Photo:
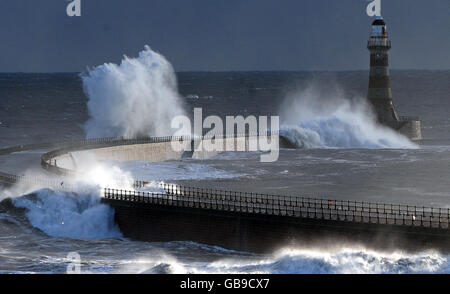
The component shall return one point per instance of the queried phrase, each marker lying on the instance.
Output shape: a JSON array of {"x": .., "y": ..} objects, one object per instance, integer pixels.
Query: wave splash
[
  {"x": 303, "y": 261},
  {"x": 345, "y": 261},
  {"x": 69, "y": 215},
  {"x": 136, "y": 98},
  {"x": 324, "y": 118}
]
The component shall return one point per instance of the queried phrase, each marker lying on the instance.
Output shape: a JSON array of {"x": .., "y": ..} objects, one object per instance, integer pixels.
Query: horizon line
[{"x": 234, "y": 71}]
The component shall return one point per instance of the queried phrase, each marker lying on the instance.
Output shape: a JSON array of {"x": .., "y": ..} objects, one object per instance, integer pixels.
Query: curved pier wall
[
  {"x": 157, "y": 151},
  {"x": 154, "y": 152},
  {"x": 148, "y": 152}
]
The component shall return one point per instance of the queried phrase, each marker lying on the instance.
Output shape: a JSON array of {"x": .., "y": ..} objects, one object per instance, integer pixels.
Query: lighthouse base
[{"x": 410, "y": 127}]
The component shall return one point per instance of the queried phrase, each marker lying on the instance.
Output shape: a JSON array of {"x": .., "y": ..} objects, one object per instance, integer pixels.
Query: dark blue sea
[{"x": 341, "y": 156}]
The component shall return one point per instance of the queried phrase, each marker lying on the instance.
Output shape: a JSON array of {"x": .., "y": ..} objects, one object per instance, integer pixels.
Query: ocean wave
[
  {"x": 324, "y": 118},
  {"x": 299, "y": 261},
  {"x": 135, "y": 98},
  {"x": 69, "y": 215}
]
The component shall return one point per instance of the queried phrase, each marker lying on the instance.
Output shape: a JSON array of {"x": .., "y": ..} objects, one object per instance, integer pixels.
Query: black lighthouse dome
[{"x": 379, "y": 21}]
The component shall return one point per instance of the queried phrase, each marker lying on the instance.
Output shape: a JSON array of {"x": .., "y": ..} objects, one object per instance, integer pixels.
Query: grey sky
[{"x": 38, "y": 36}]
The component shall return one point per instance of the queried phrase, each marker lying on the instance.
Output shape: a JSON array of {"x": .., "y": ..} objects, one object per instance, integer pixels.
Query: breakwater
[
  {"x": 244, "y": 220},
  {"x": 260, "y": 222}
]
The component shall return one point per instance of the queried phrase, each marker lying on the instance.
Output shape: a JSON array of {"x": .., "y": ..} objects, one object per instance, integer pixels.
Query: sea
[{"x": 341, "y": 153}]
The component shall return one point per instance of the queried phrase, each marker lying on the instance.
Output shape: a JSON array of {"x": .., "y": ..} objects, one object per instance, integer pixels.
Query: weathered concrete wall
[
  {"x": 211, "y": 147},
  {"x": 161, "y": 151},
  {"x": 412, "y": 129},
  {"x": 154, "y": 152},
  {"x": 148, "y": 152}
]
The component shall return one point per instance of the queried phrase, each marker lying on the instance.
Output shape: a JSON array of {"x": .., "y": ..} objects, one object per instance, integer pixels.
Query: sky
[{"x": 220, "y": 35}]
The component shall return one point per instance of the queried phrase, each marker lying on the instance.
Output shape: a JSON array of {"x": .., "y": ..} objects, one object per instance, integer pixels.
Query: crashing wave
[
  {"x": 314, "y": 119},
  {"x": 136, "y": 98},
  {"x": 68, "y": 215}
]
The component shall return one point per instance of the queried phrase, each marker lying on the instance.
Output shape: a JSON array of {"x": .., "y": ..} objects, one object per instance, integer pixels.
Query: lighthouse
[{"x": 380, "y": 92}]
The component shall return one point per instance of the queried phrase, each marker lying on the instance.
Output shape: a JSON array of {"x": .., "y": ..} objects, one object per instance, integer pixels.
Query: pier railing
[
  {"x": 266, "y": 204},
  {"x": 291, "y": 206}
]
